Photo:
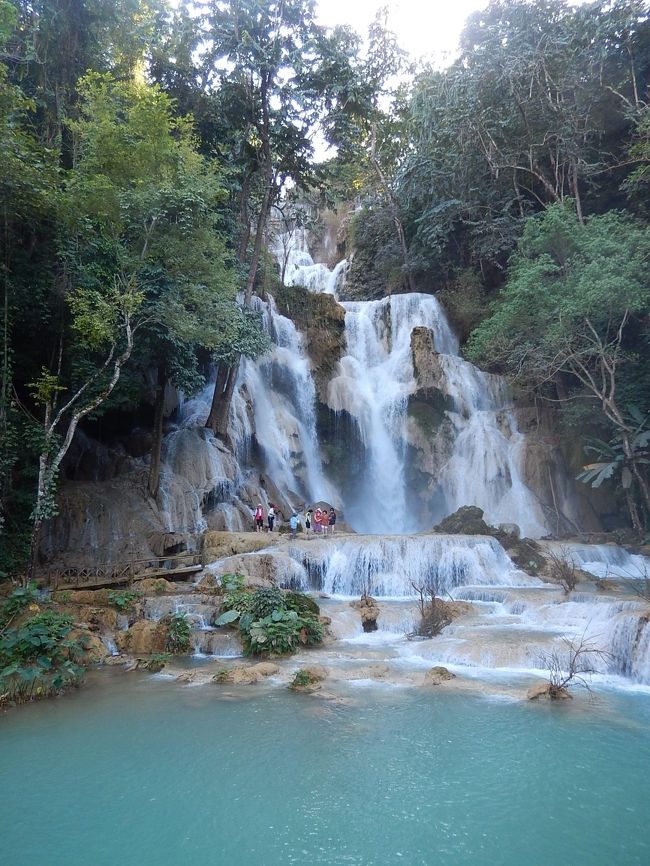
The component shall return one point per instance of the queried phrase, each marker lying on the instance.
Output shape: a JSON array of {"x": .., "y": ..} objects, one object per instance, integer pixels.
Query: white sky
[{"x": 423, "y": 27}]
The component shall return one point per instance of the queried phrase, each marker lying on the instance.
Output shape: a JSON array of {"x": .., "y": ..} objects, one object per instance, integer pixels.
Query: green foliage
[
  {"x": 178, "y": 635},
  {"x": 301, "y": 603},
  {"x": 302, "y": 679},
  {"x": 123, "y": 599},
  {"x": 39, "y": 659},
  {"x": 229, "y": 582},
  {"x": 284, "y": 631},
  {"x": 272, "y": 620},
  {"x": 15, "y": 603},
  {"x": 154, "y": 663}
]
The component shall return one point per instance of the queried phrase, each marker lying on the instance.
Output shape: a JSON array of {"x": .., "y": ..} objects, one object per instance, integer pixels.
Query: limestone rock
[
  {"x": 144, "y": 637},
  {"x": 218, "y": 545},
  {"x": 468, "y": 520},
  {"x": 545, "y": 691},
  {"x": 156, "y": 586},
  {"x": 265, "y": 669},
  {"x": 96, "y": 652},
  {"x": 83, "y": 596},
  {"x": 369, "y": 610},
  {"x": 369, "y": 672},
  {"x": 437, "y": 675},
  {"x": 308, "y": 679}
]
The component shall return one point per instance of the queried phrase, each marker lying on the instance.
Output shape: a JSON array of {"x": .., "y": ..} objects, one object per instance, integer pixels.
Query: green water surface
[{"x": 132, "y": 770}]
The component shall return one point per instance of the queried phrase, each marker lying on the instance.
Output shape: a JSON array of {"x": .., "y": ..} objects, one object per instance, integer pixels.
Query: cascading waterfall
[
  {"x": 374, "y": 383},
  {"x": 276, "y": 402},
  {"x": 392, "y": 567}
]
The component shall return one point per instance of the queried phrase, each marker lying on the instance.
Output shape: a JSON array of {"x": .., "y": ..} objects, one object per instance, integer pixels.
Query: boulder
[
  {"x": 308, "y": 679},
  {"x": 546, "y": 691},
  {"x": 144, "y": 637},
  {"x": 468, "y": 520},
  {"x": 83, "y": 596},
  {"x": 511, "y": 529},
  {"x": 156, "y": 586},
  {"x": 369, "y": 610},
  {"x": 437, "y": 675},
  {"x": 96, "y": 652},
  {"x": 265, "y": 669}
]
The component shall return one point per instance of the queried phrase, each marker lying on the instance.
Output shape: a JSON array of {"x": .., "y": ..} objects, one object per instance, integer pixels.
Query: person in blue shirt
[{"x": 293, "y": 523}]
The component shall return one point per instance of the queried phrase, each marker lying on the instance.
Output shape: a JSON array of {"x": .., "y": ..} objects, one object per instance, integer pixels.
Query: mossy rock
[{"x": 467, "y": 520}]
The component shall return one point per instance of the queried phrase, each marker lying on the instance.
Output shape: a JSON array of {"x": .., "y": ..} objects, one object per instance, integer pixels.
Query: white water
[
  {"x": 514, "y": 623},
  {"x": 276, "y": 404},
  {"x": 373, "y": 385}
]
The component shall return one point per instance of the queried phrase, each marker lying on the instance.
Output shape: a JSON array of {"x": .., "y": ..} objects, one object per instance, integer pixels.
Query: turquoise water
[{"x": 132, "y": 770}]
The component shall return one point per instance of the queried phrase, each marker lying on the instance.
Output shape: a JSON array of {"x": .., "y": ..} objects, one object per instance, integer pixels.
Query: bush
[
  {"x": 301, "y": 603},
  {"x": 123, "y": 599},
  {"x": 178, "y": 635},
  {"x": 39, "y": 659},
  {"x": 16, "y": 603},
  {"x": 272, "y": 621}
]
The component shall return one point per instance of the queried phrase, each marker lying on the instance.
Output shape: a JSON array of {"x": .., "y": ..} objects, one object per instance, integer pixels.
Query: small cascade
[
  {"x": 604, "y": 560},
  {"x": 291, "y": 251},
  {"x": 391, "y": 567}
]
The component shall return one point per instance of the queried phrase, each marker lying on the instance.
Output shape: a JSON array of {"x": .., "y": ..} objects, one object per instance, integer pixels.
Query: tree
[
  {"x": 139, "y": 254},
  {"x": 573, "y": 294}
]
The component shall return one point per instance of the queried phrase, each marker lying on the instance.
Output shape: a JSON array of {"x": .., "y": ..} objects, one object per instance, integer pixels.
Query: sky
[{"x": 424, "y": 28}]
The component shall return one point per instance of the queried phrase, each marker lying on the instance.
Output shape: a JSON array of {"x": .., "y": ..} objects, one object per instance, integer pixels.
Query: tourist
[
  {"x": 293, "y": 523},
  {"x": 332, "y": 520},
  {"x": 309, "y": 517},
  {"x": 325, "y": 522},
  {"x": 271, "y": 517},
  {"x": 259, "y": 517},
  {"x": 318, "y": 516}
]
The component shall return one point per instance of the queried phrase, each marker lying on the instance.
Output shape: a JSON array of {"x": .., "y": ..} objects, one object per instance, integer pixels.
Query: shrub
[
  {"x": 301, "y": 603},
  {"x": 562, "y": 569},
  {"x": 230, "y": 582},
  {"x": 123, "y": 599},
  {"x": 178, "y": 635},
  {"x": 154, "y": 663},
  {"x": 39, "y": 659},
  {"x": 16, "y": 603},
  {"x": 271, "y": 620}
]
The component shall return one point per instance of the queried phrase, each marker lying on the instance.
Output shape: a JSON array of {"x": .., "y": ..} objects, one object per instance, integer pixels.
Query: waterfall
[
  {"x": 391, "y": 567},
  {"x": 373, "y": 385},
  {"x": 276, "y": 403}
]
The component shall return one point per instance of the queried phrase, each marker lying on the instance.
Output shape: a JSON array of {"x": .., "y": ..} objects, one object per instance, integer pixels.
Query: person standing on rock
[
  {"x": 308, "y": 521},
  {"x": 332, "y": 520},
  {"x": 318, "y": 516},
  {"x": 325, "y": 522},
  {"x": 271, "y": 517},
  {"x": 293, "y": 523},
  {"x": 259, "y": 517}
]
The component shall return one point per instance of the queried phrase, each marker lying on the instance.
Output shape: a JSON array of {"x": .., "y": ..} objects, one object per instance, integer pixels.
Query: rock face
[
  {"x": 322, "y": 321},
  {"x": 144, "y": 637},
  {"x": 245, "y": 675}
]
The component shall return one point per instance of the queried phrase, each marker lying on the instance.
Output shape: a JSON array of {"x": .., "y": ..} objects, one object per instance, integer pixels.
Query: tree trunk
[
  {"x": 634, "y": 468},
  {"x": 217, "y": 394},
  {"x": 259, "y": 238},
  {"x": 634, "y": 511},
  {"x": 223, "y": 409},
  {"x": 153, "y": 484}
]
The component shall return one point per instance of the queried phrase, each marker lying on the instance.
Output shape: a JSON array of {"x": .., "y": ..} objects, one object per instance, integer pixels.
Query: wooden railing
[{"x": 125, "y": 572}]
